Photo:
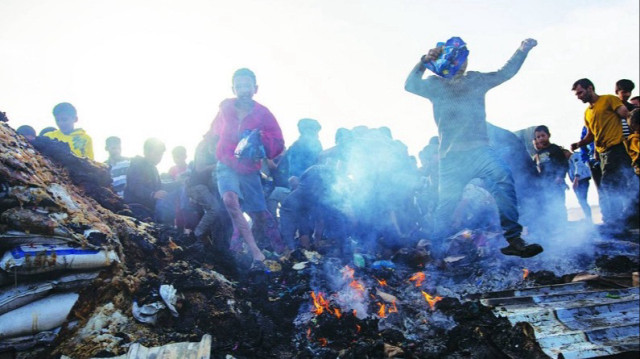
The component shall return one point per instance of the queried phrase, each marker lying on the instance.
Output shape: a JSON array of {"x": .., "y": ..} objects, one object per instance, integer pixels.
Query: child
[
  {"x": 579, "y": 174},
  {"x": 632, "y": 143},
  {"x": 118, "y": 164},
  {"x": 179, "y": 154},
  {"x": 552, "y": 166},
  {"x": 79, "y": 142}
]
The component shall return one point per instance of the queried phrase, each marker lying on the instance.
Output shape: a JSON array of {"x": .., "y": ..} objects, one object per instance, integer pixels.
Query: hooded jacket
[{"x": 228, "y": 129}]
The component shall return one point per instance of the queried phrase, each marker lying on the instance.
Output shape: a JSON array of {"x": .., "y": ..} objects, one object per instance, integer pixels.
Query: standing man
[
  {"x": 238, "y": 175},
  {"x": 602, "y": 120},
  {"x": 459, "y": 111}
]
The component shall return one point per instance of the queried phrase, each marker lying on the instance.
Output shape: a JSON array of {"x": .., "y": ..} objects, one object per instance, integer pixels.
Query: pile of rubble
[{"x": 116, "y": 284}]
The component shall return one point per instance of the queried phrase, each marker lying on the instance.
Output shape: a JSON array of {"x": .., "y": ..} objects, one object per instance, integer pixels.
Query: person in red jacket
[{"x": 238, "y": 170}]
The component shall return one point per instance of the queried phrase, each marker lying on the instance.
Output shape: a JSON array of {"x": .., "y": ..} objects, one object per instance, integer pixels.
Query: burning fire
[
  {"x": 418, "y": 278},
  {"x": 381, "y": 311},
  {"x": 337, "y": 313},
  {"x": 319, "y": 303},
  {"x": 525, "y": 273},
  {"x": 356, "y": 285},
  {"x": 431, "y": 300},
  {"x": 323, "y": 341},
  {"x": 358, "y": 328},
  {"x": 382, "y": 282}
]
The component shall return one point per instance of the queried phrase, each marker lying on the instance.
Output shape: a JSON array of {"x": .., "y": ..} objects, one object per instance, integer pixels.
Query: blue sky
[{"x": 138, "y": 69}]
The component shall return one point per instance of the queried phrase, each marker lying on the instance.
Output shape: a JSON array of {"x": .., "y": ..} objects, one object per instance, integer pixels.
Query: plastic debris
[
  {"x": 453, "y": 56},
  {"x": 170, "y": 297}
]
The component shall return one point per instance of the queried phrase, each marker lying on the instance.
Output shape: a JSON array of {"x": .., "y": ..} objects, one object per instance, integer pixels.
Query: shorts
[{"x": 248, "y": 187}]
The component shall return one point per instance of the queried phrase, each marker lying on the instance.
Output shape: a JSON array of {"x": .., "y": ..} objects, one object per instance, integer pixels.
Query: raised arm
[
  {"x": 414, "y": 83},
  {"x": 512, "y": 66}
]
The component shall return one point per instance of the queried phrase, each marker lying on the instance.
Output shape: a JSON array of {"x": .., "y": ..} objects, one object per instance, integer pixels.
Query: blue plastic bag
[
  {"x": 250, "y": 146},
  {"x": 453, "y": 56}
]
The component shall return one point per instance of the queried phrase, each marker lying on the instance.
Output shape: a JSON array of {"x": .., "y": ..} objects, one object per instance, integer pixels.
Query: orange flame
[
  {"x": 319, "y": 303},
  {"x": 356, "y": 285},
  {"x": 431, "y": 300},
  {"x": 393, "y": 308},
  {"x": 337, "y": 313},
  {"x": 381, "y": 311},
  {"x": 355, "y": 313},
  {"x": 418, "y": 278},
  {"x": 323, "y": 341},
  {"x": 308, "y": 333},
  {"x": 358, "y": 328},
  {"x": 347, "y": 272},
  {"x": 382, "y": 282},
  {"x": 525, "y": 273}
]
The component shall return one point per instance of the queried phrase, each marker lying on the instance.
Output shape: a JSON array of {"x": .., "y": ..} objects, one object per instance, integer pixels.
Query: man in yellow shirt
[
  {"x": 79, "y": 141},
  {"x": 618, "y": 190}
]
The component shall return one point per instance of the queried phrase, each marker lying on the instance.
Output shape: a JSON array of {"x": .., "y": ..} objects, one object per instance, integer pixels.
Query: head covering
[{"x": 454, "y": 54}]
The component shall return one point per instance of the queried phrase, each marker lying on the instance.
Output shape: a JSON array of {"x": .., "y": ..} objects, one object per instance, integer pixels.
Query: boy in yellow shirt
[
  {"x": 633, "y": 141},
  {"x": 79, "y": 141}
]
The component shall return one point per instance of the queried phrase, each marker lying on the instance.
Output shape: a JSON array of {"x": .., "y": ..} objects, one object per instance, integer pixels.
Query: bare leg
[{"x": 232, "y": 204}]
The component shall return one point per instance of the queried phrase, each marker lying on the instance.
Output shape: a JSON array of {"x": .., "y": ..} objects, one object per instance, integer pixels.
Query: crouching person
[
  {"x": 144, "y": 189},
  {"x": 310, "y": 209},
  {"x": 202, "y": 189}
]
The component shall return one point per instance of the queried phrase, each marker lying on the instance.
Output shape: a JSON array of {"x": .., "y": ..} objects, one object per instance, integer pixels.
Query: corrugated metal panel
[{"x": 575, "y": 320}]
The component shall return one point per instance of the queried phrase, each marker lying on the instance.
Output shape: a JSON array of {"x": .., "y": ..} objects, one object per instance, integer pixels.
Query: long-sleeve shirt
[
  {"x": 459, "y": 104},
  {"x": 143, "y": 181},
  {"x": 228, "y": 129}
]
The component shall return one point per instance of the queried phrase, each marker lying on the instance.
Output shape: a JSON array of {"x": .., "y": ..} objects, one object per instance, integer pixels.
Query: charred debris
[{"x": 82, "y": 279}]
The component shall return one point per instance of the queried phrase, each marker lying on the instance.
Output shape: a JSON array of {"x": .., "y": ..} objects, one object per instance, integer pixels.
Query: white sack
[
  {"x": 45, "y": 314},
  {"x": 37, "y": 258}
]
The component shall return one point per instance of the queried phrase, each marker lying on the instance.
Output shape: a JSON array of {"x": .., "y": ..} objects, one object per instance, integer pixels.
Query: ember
[
  {"x": 382, "y": 282},
  {"x": 393, "y": 308},
  {"x": 382, "y": 310},
  {"x": 418, "y": 278},
  {"x": 431, "y": 300},
  {"x": 525, "y": 273}
]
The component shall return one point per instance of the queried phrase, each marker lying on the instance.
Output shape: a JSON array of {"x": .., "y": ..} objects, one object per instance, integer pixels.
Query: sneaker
[{"x": 518, "y": 247}]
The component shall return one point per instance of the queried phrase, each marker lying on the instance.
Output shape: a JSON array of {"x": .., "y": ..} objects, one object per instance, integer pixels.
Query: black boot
[{"x": 518, "y": 247}]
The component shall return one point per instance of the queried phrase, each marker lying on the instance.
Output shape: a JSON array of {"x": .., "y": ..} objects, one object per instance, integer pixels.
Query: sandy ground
[{"x": 576, "y": 214}]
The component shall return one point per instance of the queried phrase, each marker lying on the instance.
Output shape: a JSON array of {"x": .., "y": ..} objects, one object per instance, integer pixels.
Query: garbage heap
[{"x": 80, "y": 278}]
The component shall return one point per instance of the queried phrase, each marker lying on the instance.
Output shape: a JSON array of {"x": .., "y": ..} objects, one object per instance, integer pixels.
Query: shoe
[{"x": 518, "y": 247}]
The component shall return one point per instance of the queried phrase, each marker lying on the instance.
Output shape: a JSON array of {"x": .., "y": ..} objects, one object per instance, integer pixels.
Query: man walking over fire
[
  {"x": 458, "y": 99},
  {"x": 246, "y": 132}
]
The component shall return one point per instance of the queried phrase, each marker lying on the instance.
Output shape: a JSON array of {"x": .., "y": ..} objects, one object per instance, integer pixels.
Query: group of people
[{"x": 367, "y": 186}]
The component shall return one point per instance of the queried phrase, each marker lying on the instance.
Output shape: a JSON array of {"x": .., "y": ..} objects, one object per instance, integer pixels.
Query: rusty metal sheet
[{"x": 575, "y": 320}]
